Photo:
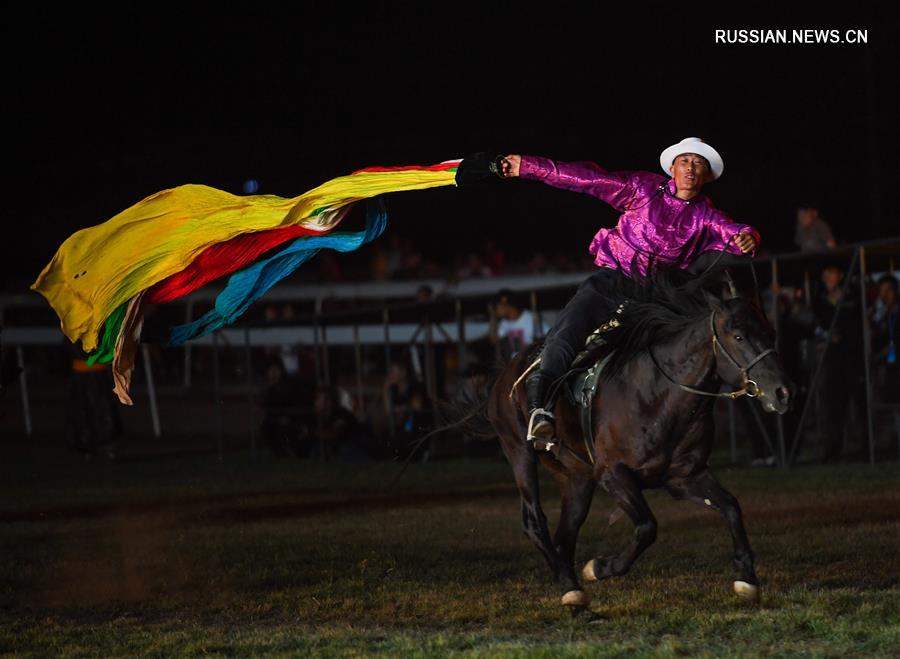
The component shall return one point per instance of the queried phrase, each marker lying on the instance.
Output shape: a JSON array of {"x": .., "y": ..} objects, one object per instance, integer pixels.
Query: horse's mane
[{"x": 657, "y": 308}]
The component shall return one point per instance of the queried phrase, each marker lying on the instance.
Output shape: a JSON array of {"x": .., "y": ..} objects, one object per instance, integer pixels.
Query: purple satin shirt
[{"x": 654, "y": 222}]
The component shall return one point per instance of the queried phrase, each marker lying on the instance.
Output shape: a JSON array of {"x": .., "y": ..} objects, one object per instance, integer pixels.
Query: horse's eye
[{"x": 738, "y": 337}]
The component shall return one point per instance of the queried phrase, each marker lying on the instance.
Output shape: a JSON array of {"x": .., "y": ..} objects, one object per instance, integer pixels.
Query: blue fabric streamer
[{"x": 248, "y": 285}]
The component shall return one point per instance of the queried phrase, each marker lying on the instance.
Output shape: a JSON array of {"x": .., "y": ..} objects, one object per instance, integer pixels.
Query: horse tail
[{"x": 466, "y": 414}]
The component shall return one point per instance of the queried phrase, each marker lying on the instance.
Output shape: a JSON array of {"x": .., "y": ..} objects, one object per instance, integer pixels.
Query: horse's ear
[
  {"x": 714, "y": 302},
  {"x": 732, "y": 289}
]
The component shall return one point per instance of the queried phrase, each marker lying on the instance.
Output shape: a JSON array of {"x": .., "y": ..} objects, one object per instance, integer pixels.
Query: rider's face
[{"x": 690, "y": 172}]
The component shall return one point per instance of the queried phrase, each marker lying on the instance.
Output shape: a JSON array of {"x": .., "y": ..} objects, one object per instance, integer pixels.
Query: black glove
[{"x": 477, "y": 168}]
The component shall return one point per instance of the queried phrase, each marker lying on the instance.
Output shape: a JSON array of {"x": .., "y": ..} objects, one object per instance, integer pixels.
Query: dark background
[{"x": 104, "y": 110}]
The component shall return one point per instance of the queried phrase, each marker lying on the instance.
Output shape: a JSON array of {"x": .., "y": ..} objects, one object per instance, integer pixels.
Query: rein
[{"x": 750, "y": 388}]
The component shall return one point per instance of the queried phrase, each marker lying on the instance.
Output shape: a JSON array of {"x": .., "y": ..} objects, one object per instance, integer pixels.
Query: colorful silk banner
[{"x": 98, "y": 270}]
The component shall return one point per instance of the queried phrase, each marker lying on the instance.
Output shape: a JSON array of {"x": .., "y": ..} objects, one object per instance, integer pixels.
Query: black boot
[{"x": 541, "y": 431}]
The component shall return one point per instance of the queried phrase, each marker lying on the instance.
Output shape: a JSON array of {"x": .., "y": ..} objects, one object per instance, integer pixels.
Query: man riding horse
[
  {"x": 662, "y": 222},
  {"x": 675, "y": 343}
]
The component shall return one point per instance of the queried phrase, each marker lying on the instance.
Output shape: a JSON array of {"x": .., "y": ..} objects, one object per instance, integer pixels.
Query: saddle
[{"x": 580, "y": 382}]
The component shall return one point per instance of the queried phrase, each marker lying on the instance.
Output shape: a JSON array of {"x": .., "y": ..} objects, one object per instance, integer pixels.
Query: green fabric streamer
[{"x": 106, "y": 349}]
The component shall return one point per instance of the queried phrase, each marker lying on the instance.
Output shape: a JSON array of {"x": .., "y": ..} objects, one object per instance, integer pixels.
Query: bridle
[{"x": 750, "y": 388}]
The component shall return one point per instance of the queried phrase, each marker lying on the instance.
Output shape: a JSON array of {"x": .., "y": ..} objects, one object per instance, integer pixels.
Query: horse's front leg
[
  {"x": 625, "y": 489},
  {"x": 704, "y": 489}
]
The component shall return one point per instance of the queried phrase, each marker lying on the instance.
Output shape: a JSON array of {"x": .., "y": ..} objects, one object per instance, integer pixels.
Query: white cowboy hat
[{"x": 693, "y": 145}]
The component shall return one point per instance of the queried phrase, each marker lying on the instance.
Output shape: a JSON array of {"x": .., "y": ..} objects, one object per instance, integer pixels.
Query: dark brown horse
[{"x": 652, "y": 425}]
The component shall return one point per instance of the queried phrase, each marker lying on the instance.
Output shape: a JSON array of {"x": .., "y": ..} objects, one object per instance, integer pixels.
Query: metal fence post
[
  {"x": 388, "y": 398},
  {"x": 151, "y": 390},
  {"x": 461, "y": 337},
  {"x": 776, "y": 320},
  {"x": 430, "y": 375},
  {"x": 317, "y": 357},
  {"x": 217, "y": 393},
  {"x": 248, "y": 359},
  {"x": 188, "y": 316},
  {"x": 357, "y": 356},
  {"x": 326, "y": 374},
  {"x": 867, "y": 351},
  {"x": 23, "y": 385}
]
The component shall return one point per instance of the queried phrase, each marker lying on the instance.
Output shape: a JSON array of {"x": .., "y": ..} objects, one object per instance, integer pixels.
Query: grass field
[{"x": 190, "y": 556}]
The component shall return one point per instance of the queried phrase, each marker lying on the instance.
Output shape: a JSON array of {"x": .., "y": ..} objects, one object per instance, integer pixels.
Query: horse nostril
[{"x": 783, "y": 394}]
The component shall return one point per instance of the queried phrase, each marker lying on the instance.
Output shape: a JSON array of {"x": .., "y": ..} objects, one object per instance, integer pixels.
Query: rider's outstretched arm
[
  {"x": 615, "y": 188},
  {"x": 722, "y": 231}
]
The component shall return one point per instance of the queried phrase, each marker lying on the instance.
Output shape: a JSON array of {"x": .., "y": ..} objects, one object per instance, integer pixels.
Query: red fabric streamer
[{"x": 222, "y": 259}]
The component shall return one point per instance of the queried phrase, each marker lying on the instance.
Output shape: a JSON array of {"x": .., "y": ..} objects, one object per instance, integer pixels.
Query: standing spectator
[
  {"x": 92, "y": 421},
  {"x": 843, "y": 366},
  {"x": 813, "y": 233},
  {"x": 511, "y": 327}
]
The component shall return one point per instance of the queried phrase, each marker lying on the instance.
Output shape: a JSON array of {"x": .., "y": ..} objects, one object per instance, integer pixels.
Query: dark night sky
[{"x": 103, "y": 110}]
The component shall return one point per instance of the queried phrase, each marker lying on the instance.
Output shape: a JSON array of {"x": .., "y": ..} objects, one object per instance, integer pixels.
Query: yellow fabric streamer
[{"x": 99, "y": 268}]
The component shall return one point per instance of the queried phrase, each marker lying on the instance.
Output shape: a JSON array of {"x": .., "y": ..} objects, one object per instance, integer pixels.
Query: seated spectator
[
  {"x": 885, "y": 335},
  {"x": 396, "y": 391},
  {"x": 411, "y": 261},
  {"x": 424, "y": 294},
  {"x": 283, "y": 426},
  {"x": 418, "y": 417},
  {"x": 329, "y": 267},
  {"x": 564, "y": 263},
  {"x": 474, "y": 267},
  {"x": 537, "y": 264},
  {"x": 494, "y": 257},
  {"x": 378, "y": 264},
  {"x": 813, "y": 233},
  {"x": 511, "y": 327},
  {"x": 336, "y": 432}
]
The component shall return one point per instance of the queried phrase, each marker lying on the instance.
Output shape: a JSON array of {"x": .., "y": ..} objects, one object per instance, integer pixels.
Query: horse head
[{"x": 744, "y": 347}]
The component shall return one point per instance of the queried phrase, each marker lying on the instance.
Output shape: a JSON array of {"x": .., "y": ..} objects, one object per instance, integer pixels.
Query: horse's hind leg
[
  {"x": 625, "y": 490},
  {"x": 577, "y": 495},
  {"x": 534, "y": 522},
  {"x": 706, "y": 490}
]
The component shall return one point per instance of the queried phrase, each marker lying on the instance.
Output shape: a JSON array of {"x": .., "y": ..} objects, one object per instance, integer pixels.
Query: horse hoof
[
  {"x": 746, "y": 591},
  {"x": 584, "y": 615},
  {"x": 589, "y": 571},
  {"x": 576, "y": 598}
]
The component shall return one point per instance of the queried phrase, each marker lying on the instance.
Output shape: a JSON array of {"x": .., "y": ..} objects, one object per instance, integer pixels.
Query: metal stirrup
[{"x": 530, "y": 436}]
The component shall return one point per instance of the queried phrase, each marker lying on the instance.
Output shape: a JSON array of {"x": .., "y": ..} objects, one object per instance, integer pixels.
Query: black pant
[{"x": 593, "y": 304}]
